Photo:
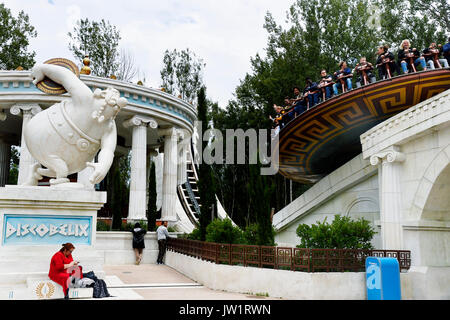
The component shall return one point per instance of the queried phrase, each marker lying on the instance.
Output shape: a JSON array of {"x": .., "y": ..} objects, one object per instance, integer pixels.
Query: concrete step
[
  {"x": 46, "y": 289},
  {"x": 43, "y": 289}
]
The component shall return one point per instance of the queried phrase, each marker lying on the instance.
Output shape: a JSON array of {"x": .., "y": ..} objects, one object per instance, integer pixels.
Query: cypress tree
[
  {"x": 151, "y": 209},
  {"x": 206, "y": 185}
]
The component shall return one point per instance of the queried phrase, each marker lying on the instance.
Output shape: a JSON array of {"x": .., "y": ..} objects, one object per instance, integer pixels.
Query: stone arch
[
  {"x": 369, "y": 209},
  {"x": 369, "y": 206},
  {"x": 432, "y": 197}
]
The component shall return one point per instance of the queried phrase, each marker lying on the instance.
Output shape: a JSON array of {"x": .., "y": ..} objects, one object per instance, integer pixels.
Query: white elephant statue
[{"x": 66, "y": 137}]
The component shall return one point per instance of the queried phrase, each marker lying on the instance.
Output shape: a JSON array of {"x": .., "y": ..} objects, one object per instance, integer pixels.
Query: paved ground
[{"x": 160, "y": 282}]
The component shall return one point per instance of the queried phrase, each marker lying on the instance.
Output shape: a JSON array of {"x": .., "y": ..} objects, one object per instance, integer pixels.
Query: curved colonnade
[{"x": 155, "y": 125}]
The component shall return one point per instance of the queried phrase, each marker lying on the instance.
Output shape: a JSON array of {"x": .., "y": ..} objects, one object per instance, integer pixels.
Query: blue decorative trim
[{"x": 46, "y": 229}]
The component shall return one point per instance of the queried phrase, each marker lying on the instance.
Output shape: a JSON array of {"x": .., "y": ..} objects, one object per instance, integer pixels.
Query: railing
[{"x": 294, "y": 259}]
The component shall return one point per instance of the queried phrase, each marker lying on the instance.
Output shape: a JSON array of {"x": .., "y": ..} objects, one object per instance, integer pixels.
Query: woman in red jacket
[{"x": 63, "y": 269}]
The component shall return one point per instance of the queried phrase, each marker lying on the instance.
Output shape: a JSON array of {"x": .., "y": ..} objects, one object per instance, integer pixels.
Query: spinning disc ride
[{"x": 326, "y": 136}]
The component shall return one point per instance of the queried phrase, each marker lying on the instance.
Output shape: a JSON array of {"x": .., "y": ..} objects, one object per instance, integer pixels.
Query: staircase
[{"x": 188, "y": 192}]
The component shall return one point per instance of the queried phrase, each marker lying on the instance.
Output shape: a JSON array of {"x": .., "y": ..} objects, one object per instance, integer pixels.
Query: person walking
[
  {"x": 162, "y": 236},
  {"x": 138, "y": 241}
]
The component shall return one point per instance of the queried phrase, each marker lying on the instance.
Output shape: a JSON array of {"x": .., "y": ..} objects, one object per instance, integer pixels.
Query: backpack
[{"x": 99, "y": 285}]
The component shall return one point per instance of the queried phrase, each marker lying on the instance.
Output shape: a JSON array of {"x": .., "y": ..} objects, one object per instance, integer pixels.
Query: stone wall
[{"x": 351, "y": 190}]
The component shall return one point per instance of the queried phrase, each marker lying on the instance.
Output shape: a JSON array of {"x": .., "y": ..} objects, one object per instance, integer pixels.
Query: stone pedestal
[{"x": 36, "y": 221}]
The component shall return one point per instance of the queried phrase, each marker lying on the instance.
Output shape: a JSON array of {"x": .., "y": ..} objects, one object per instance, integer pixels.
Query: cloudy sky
[{"x": 225, "y": 34}]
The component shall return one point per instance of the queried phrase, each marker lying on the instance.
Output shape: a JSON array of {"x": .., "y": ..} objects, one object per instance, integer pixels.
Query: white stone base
[{"x": 45, "y": 218}]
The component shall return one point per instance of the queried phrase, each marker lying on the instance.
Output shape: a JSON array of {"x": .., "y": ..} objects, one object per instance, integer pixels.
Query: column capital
[
  {"x": 136, "y": 121},
  {"x": 171, "y": 132},
  {"x": 25, "y": 109},
  {"x": 388, "y": 155}
]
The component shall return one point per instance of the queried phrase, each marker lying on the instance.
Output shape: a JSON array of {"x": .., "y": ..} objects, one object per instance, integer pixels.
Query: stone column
[
  {"x": 182, "y": 158},
  {"x": 138, "y": 180},
  {"x": 169, "y": 188},
  {"x": 26, "y": 160},
  {"x": 390, "y": 196},
  {"x": 5, "y": 158}
]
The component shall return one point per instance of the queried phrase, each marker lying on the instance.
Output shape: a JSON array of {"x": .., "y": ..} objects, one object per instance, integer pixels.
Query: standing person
[
  {"x": 63, "y": 269},
  {"x": 162, "y": 235},
  {"x": 404, "y": 60},
  {"x": 138, "y": 241}
]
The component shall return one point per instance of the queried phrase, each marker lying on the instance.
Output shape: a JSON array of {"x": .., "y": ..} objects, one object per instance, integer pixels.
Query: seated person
[
  {"x": 446, "y": 51},
  {"x": 429, "y": 56},
  {"x": 325, "y": 79},
  {"x": 368, "y": 67},
  {"x": 298, "y": 102},
  {"x": 278, "y": 120},
  {"x": 383, "y": 52},
  {"x": 63, "y": 269},
  {"x": 311, "y": 92},
  {"x": 344, "y": 71},
  {"x": 404, "y": 60},
  {"x": 288, "y": 109}
]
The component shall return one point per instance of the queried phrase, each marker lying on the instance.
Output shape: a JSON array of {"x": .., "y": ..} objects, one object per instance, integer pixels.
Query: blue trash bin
[{"x": 383, "y": 279}]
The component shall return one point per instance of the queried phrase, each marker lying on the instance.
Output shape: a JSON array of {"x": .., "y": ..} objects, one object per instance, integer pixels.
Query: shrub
[
  {"x": 194, "y": 235},
  {"x": 102, "y": 226},
  {"x": 342, "y": 233},
  {"x": 223, "y": 231},
  {"x": 251, "y": 234},
  {"x": 130, "y": 225}
]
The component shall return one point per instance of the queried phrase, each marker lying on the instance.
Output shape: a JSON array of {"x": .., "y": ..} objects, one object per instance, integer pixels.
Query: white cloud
[{"x": 224, "y": 34}]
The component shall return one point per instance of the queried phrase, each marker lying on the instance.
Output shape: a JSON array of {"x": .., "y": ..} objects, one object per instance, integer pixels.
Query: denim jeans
[
  {"x": 338, "y": 84},
  {"x": 313, "y": 99},
  {"x": 328, "y": 92},
  {"x": 418, "y": 61},
  {"x": 299, "y": 108},
  {"x": 443, "y": 63}
]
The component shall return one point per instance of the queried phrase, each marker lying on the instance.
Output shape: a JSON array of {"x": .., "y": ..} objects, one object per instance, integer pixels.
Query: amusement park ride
[{"x": 326, "y": 136}]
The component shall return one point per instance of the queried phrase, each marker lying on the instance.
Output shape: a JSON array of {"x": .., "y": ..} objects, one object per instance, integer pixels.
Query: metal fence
[{"x": 295, "y": 259}]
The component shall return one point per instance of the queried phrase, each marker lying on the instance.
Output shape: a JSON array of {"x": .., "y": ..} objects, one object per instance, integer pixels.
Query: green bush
[
  {"x": 130, "y": 225},
  {"x": 194, "y": 235},
  {"x": 251, "y": 234},
  {"x": 342, "y": 233},
  {"x": 102, "y": 226},
  {"x": 223, "y": 231}
]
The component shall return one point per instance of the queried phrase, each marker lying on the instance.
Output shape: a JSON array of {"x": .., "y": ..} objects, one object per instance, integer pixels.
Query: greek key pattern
[{"x": 326, "y": 136}]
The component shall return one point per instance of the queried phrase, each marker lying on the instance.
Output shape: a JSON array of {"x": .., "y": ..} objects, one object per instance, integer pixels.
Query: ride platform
[{"x": 326, "y": 136}]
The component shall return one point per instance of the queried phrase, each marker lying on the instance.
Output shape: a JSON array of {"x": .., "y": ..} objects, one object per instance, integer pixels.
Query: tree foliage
[
  {"x": 318, "y": 34},
  {"x": 342, "y": 233},
  {"x": 15, "y": 34},
  {"x": 100, "y": 40},
  {"x": 151, "y": 209},
  {"x": 223, "y": 231},
  {"x": 120, "y": 177},
  {"x": 182, "y": 73},
  {"x": 206, "y": 184}
]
